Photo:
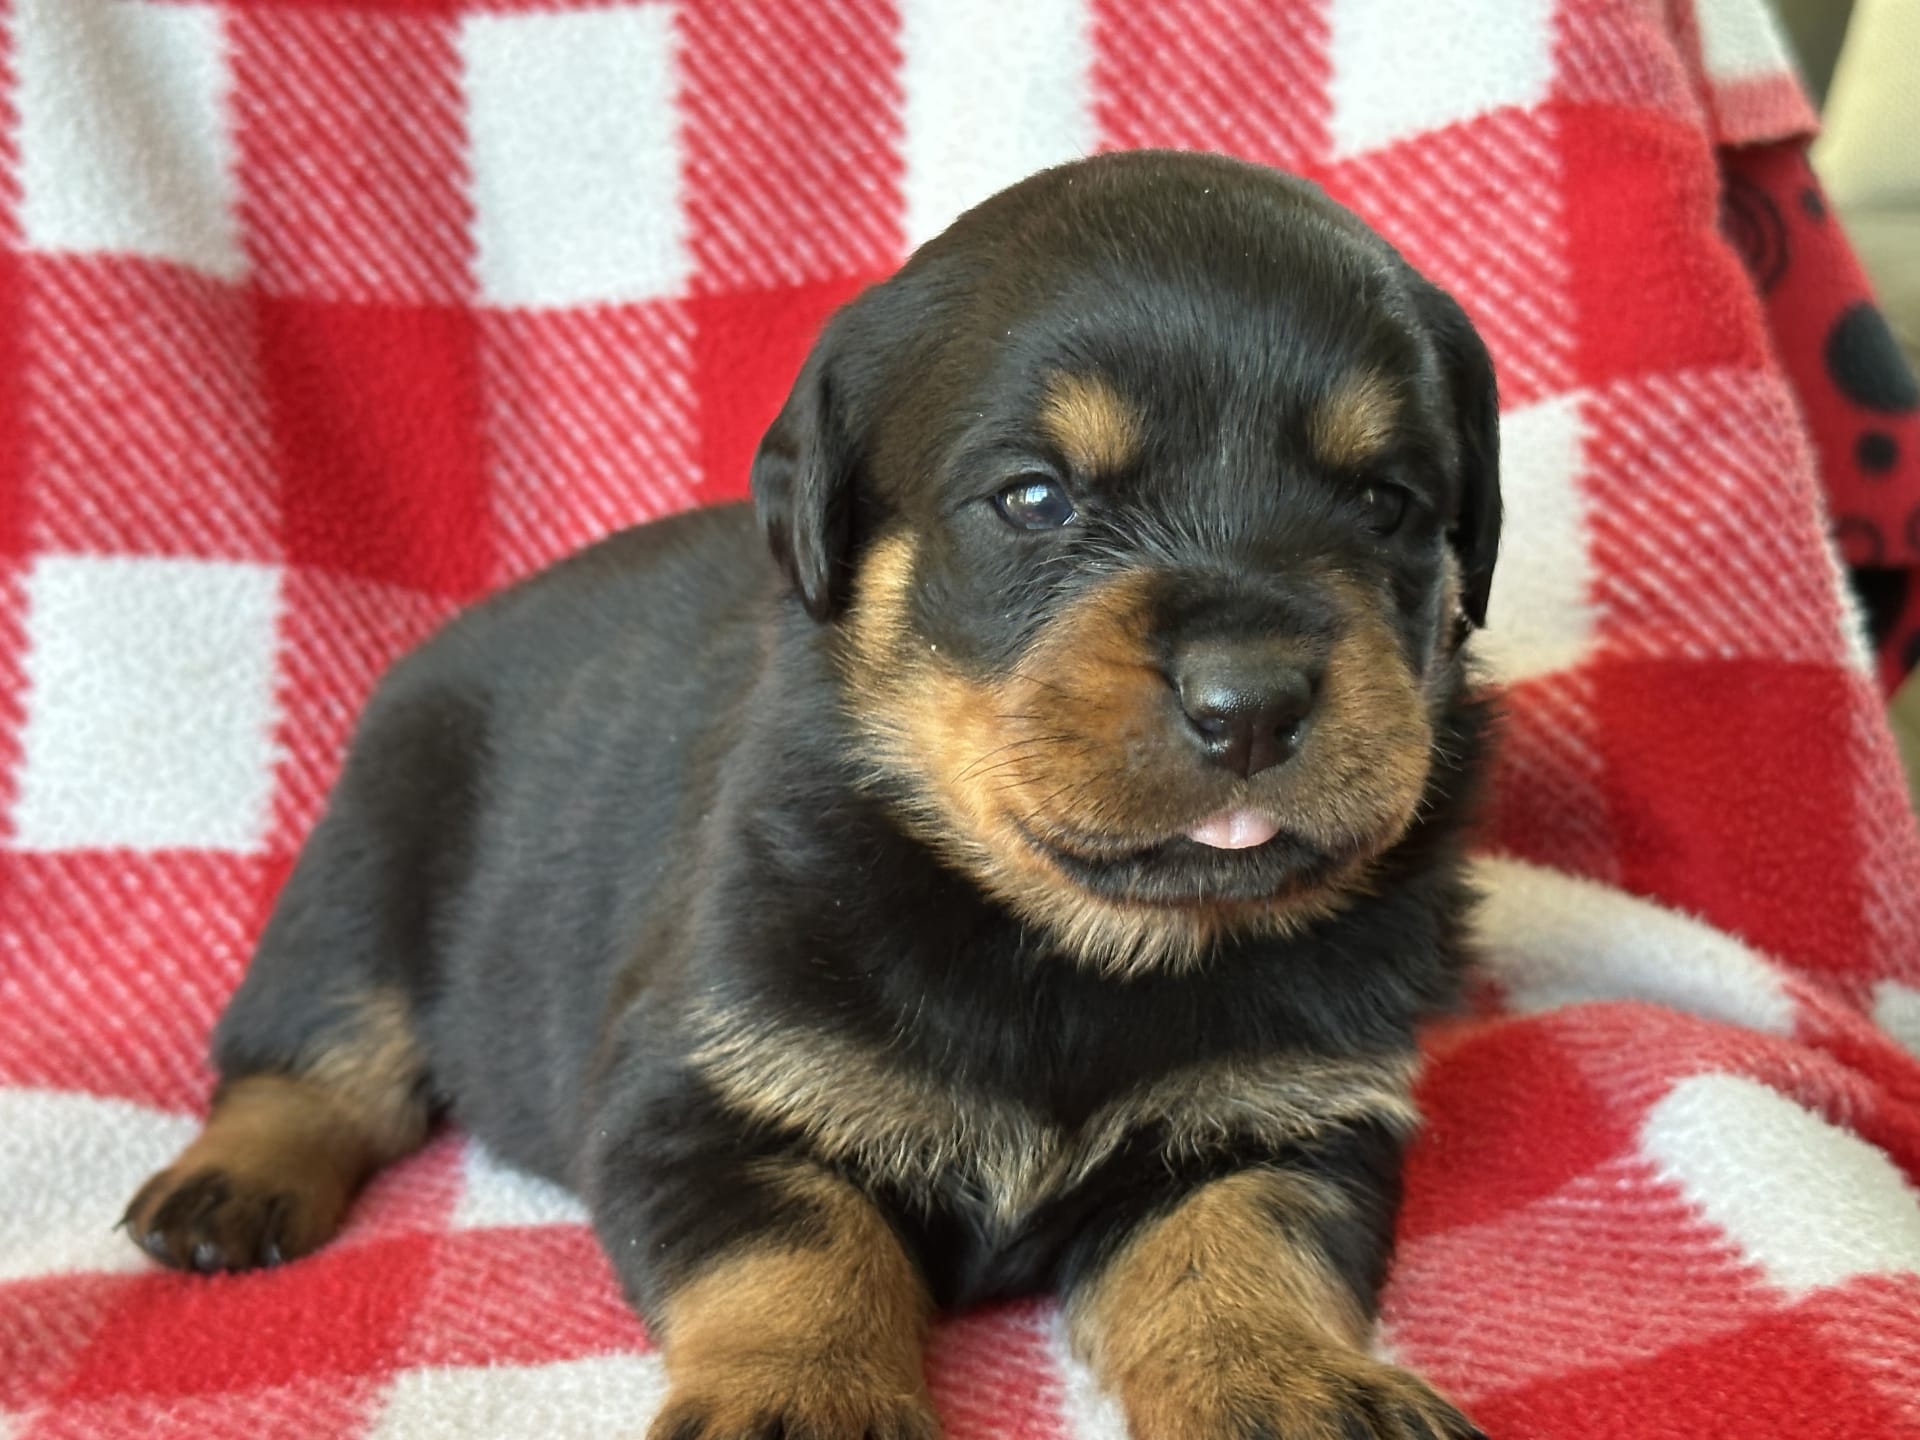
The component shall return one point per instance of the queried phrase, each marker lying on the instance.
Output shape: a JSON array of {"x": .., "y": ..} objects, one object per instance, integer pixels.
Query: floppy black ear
[
  {"x": 1475, "y": 531},
  {"x": 802, "y": 482}
]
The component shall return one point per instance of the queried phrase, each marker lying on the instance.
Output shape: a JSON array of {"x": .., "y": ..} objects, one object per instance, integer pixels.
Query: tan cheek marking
[
  {"x": 1374, "y": 721},
  {"x": 876, "y": 621},
  {"x": 1355, "y": 421},
  {"x": 1090, "y": 421}
]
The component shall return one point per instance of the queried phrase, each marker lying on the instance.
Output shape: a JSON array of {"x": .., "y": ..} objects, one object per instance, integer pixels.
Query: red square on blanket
[
  {"x": 521, "y": 1295},
  {"x": 13, "y": 439},
  {"x": 45, "y": 1325},
  {"x": 1546, "y": 802},
  {"x": 1493, "y": 1141},
  {"x": 1476, "y": 208},
  {"x": 342, "y": 1311},
  {"x": 352, "y": 169},
  {"x": 376, "y": 414},
  {"x": 747, "y": 348},
  {"x": 1697, "y": 484},
  {"x": 338, "y": 634},
  {"x": 13, "y": 708},
  {"x": 1775, "y": 1377},
  {"x": 327, "y": 1405},
  {"x": 1657, "y": 289},
  {"x": 590, "y": 424},
  {"x": 115, "y": 986},
  {"x": 791, "y": 127},
  {"x": 1244, "y": 77},
  {"x": 144, "y": 417},
  {"x": 1733, "y": 789}
]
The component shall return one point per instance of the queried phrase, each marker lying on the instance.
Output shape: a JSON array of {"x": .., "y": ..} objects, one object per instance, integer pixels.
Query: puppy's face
[{"x": 1151, "y": 502}]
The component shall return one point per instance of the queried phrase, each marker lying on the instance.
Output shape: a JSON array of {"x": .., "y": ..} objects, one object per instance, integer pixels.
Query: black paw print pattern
[{"x": 1855, "y": 387}]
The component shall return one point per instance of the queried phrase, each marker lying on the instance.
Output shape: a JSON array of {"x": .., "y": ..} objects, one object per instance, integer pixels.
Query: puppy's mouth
[{"x": 1237, "y": 856}]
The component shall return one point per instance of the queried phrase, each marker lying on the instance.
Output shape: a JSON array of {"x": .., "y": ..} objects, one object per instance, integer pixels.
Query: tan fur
[
  {"x": 1091, "y": 422},
  {"x": 306, "y": 1140},
  {"x": 1219, "y": 1319},
  {"x": 1355, "y": 421},
  {"x": 824, "y": 1334},
  {"x": 1373, "y": 784},
  {"x": 373, "y": 1076},
  {"x": 1077, "y": 739},
  {"x": 858, "y": 1109}
]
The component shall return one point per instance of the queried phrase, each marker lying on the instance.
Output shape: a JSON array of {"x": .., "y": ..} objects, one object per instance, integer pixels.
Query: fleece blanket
[{"x": 319, "y": 319}]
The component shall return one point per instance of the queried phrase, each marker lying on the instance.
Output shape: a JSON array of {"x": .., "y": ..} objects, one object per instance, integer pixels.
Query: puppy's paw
[
  {"x": 213, "y": 1218},
  {"x": 755, "y": 1402},
  {"x": 1315, "y": 1394}
]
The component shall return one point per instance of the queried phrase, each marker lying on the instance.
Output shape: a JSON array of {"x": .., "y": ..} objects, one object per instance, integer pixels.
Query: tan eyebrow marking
[
  {"x": 1355, "y": 421},
  {"x": 1092, "y": 422}
]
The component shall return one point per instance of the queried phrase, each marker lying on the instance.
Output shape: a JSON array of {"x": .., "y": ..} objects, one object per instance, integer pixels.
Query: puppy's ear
[
  {"x": 803, "y": 476},
  {"x": 1475, "y": 531}
]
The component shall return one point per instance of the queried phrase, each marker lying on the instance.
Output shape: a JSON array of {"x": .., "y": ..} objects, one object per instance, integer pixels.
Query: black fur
[{"x": 633, "y": 780}]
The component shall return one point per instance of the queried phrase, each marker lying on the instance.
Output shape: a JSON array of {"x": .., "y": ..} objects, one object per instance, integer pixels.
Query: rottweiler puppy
[{"x": 1030, "y": 881}]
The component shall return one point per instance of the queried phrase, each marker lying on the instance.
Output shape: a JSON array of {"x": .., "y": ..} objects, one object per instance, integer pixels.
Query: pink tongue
[{"x": 1234, "y": 830}]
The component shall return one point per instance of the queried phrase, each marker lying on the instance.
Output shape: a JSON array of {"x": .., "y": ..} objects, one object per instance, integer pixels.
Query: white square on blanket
[
  {"x": 1739, "y": 39},
  {"x": 124, "y": 136},
  {"x": 71, "y": 1163},
  {"x": 1809, "y": 1203},
  {"x": 568, "y": 1400},
  {"x": 1540, "y": 616},
  {"x": 1896, "y": 1009},
  {"x": 575, "y": 156},
  {"x": 1401, "y": 68},
  {"x": 494, "y": 1193},
  {"x": 150, "y": 704},
  {"x": 993, "y": 93}
]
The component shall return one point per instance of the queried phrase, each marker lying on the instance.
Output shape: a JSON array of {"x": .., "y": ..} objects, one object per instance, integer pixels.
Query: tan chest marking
[{"x": 858, "y": 1108}]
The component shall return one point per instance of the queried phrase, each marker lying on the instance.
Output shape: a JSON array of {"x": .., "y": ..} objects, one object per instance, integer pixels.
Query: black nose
[{"x": 1248, "y": 704}]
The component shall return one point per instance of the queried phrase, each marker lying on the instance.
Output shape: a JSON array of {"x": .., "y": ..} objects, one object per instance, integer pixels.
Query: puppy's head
[{"x": 1150, "y": 503}]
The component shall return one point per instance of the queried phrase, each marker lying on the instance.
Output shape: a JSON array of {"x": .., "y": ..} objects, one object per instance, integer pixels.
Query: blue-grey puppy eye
[{"x": 1034, "y": 502}]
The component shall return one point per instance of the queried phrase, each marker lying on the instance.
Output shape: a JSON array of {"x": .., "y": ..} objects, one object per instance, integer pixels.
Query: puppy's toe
[
  {"x": 1307, "y": 1392},
  {"x": 1360, "y": 1399},
  {"x": 749, "y": 1411},
  {"x": 214, "y": 1219}
]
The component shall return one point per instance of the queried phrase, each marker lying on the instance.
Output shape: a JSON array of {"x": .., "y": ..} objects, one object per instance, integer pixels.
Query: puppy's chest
[{"x": 939, "y": 1140}]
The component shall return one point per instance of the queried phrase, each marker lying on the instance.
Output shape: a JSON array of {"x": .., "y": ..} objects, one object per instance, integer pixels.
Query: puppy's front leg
[
  {"x": 784, "y": 1301},
  {"x": 1226, "y": 1316}
]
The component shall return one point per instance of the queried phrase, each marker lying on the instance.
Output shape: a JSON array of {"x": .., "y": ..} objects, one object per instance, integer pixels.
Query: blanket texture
[{"x": 318, "y": 319}]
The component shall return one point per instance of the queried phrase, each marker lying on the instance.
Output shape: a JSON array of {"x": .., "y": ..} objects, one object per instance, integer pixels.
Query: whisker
[
  {"x": 1033, "y": 679},
  {"x": 1028, "y": 742}
]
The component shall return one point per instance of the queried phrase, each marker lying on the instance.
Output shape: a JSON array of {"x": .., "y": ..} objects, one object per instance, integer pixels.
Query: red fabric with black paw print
[{"x": 1858, "y": 394}]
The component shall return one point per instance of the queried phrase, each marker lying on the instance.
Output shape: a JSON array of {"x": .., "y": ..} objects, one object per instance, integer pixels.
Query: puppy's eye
[
  {"x": 1033, "y": 502},
  {"x": 1384, "y": 506}
]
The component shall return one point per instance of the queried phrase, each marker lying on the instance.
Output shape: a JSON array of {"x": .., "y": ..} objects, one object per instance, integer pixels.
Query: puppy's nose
[{"x": 1248, "y": 705}]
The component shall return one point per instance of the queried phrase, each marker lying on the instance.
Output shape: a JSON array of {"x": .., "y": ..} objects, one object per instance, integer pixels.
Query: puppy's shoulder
[{"x": 672, "y": 575}]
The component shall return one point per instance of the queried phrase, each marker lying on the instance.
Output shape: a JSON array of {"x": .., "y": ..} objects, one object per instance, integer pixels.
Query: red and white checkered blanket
[{"x": 319, "y": 317}]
